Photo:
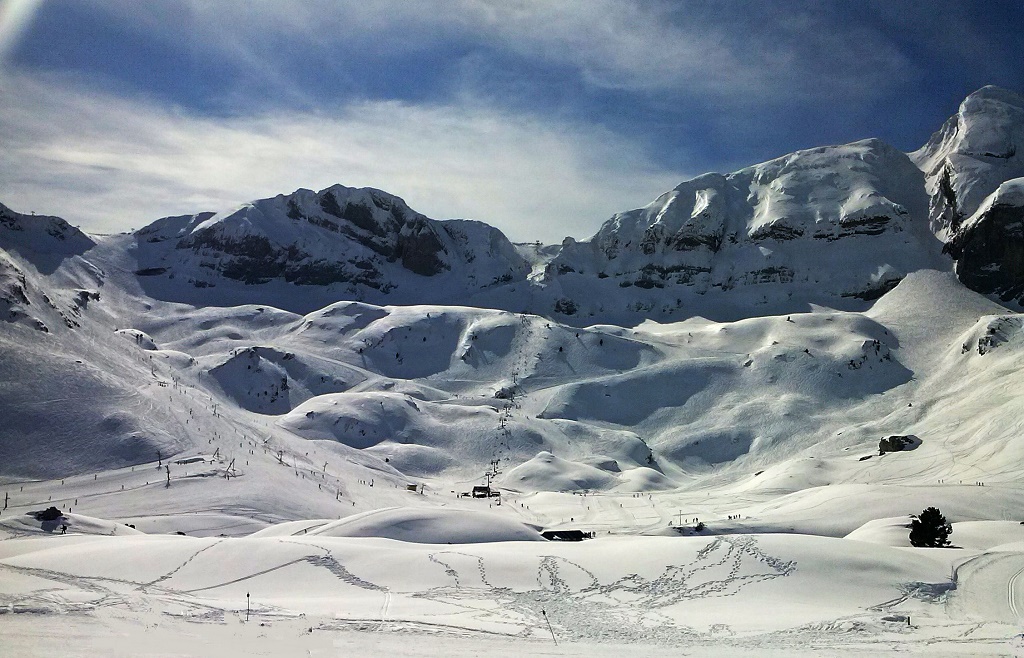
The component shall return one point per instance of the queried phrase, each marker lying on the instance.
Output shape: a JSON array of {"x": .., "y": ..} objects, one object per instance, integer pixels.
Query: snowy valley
[{"x": 309, "y": 388}]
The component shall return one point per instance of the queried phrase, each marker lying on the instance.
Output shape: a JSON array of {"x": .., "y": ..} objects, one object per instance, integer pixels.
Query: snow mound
[
  {"x": 890, "y": 531},
  {"x": 545, "y": 472},
  {"x": 987, "y": 535},
  {"x": 430, "y": 526},
  {"x": 27, "y": 524},
  {"x": 645, "y": 479}
]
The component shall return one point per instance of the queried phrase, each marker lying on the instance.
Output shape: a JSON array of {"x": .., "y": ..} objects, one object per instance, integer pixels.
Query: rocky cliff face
[
  {"x": 845, "y": 218},
  {"x": 989, "y": 245},
  {"x": 363, "y": 239}
]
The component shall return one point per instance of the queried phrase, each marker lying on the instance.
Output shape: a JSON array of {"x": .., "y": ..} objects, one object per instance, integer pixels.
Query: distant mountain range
[{"x": 834, "y": 225}]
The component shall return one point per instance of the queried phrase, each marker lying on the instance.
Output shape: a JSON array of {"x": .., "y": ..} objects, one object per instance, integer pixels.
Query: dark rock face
[
  {"x": 990, "y": 253},
  {"x": 255, "y": 259},
  {"x": 421, "y": 248}
]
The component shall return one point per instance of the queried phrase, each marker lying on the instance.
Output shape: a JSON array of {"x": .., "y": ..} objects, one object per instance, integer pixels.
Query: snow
[
  {"x": 305, "y": 450},
  {"x": 854, "y": 210},
  {"x": 438, "y": 526}
]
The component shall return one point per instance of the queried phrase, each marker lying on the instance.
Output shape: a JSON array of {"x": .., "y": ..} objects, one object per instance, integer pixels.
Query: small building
[
  {"x": 485, "y": 491},
  {"x": 566, "y": 535}
]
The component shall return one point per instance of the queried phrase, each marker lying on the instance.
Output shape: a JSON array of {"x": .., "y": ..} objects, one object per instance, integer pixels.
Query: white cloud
[{"x": 109, "y": 163}]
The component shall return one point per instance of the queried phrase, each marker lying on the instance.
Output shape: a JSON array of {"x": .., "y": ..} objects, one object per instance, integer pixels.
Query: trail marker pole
[
  {"x": 247, "y": 606},
  {"x": 680, "y": 515},
  {"x": 543, "y": 612}
]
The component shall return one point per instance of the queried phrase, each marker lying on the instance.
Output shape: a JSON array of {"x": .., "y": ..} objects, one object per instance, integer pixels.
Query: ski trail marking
[
  {"x": 385, "y": 606},
  {"x": 1010, "y": 598}
]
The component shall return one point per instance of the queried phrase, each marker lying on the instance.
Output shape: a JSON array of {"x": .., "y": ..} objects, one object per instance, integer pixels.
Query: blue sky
[{"x": 542, "y": 118}]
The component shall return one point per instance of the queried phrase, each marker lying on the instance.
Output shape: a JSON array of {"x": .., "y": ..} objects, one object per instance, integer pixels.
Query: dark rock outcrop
[{"x": 898, "y": 443}]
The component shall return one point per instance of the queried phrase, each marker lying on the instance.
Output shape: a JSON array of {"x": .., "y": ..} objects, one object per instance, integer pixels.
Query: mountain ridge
[{"x": 834, "y": 225}]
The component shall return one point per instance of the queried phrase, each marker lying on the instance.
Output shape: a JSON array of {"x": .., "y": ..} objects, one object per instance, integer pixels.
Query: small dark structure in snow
[
  {"x": 484, "y": 491},
  {"x": 190, "y": 460},
  {"x": 897, "y": 443},
  {"x": 49, "y": 514},
  {"x": 566, "y": 535}
]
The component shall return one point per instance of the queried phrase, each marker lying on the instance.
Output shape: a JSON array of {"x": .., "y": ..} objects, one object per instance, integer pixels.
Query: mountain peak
[
  {"x": 993, "y": 93},
  {"x": 974, "y": 151},
  {"x": 41, "y": 234}
]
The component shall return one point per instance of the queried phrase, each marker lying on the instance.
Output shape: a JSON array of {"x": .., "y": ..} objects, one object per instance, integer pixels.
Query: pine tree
[{"x": 930, "y": 529}]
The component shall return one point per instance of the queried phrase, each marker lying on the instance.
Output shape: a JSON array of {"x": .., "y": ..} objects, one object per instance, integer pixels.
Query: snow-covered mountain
[
  {"x": 839, "y": 221},
  {"x": 361, "y": 243},
  {"x": 331, "y": 311},
  {"x": 836, "y": 226},
  {"x": 976, "y": 150}
]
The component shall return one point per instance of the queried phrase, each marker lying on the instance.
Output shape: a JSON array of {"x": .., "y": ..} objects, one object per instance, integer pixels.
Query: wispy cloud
[
  {"x": 110, "y": 163},
  {"x": 734, "y": 55}
]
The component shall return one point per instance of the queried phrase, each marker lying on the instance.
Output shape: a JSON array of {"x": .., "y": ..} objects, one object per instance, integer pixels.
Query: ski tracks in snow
[{"x": 1011, "y": 596}]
